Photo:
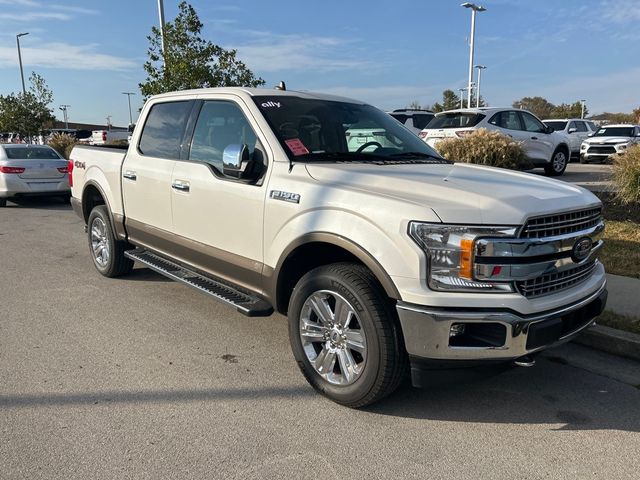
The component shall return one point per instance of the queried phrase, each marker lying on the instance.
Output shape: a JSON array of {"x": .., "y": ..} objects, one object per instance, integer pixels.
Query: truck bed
[{"x": 99, "y": 165}]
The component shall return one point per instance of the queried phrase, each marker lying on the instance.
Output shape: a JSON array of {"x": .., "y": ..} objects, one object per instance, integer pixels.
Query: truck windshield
[{"x": 323, "y": 130}]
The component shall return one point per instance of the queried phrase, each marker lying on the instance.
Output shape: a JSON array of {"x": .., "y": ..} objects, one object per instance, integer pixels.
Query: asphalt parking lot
[
  {"x": 140, "y": 377},
  {"x": 594, "y": 176}
]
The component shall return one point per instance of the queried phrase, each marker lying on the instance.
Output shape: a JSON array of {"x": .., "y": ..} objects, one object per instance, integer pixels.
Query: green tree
[
  {"x": 27, "y": 113},
  {"x": 636, "y": 114},
  {"x": 539, "y": 106},
  {"x": 566, "y": 110},
  {"x": 189, "y": 61},
  {"x": 450, "y": 101}
]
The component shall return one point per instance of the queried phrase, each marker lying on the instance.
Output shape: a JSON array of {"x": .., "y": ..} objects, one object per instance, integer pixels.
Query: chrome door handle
[
  {"x": 180, "y": 185},
  {"x": 130, "y": 175},
  {"x": 534, "y": 138}
]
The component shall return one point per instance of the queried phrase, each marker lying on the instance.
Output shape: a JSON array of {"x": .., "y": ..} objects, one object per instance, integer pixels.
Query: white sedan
[{"x": 30, "y": 170}]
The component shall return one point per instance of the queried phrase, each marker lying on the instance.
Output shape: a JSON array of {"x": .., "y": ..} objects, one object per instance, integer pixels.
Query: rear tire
[
  {"x": 345, "y": 336},
  {"x": 106, "y": 252},
  {"x": 559, "y": 162}
]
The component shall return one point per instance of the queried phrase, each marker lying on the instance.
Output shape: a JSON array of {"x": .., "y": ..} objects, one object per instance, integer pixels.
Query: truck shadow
[
  {"x": 43, "y": 203},
  {"x": 565, "y": 397}
]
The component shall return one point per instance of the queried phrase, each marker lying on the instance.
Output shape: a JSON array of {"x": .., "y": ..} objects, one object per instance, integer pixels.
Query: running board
[{"x": 244, "y": 301}]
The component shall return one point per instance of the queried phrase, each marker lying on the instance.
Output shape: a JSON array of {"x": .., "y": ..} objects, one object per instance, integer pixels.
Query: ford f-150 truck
[{"x": 386, "y": 258}]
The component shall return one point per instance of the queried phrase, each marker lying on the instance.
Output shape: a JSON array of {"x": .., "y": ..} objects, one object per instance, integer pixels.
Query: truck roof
[{"x": 254, "y": 92}]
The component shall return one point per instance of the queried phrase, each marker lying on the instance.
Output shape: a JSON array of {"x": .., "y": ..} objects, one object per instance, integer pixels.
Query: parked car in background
[
  {"x": 607, "y": 141},
  {"x": 576, "y": 129},
  {"x": 414, "y": 119},
  {"x": 100, "y": 137},
  {"x": 544, "y": 147},
  {"x": 32, "y": 170}
]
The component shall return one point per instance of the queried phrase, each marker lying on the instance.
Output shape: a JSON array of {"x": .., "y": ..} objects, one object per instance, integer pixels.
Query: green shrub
[
  {"x": 62, "y": 143},
  {"x": 626, "y": 175},
  {"x": 485, "y": 147}
]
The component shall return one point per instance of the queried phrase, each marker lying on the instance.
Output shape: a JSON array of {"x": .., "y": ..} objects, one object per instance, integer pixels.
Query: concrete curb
[{"x": 610, "y": 340}]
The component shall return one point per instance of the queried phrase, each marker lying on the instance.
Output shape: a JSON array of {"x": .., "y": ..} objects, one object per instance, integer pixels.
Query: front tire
[
  {"x": 106, "y": 252},
  {"x": 558, "y": 164},
  {"x": 345, "y": 335}
]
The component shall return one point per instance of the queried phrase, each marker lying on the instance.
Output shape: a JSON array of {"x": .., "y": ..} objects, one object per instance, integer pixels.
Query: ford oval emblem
[{"x": 581, "y": 249}]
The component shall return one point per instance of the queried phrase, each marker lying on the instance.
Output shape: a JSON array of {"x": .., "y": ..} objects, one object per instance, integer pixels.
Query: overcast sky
[{"x": 386, "y": 53}]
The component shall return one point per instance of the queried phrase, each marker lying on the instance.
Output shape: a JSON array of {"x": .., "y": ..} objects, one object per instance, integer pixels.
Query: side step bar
[{"x": 244, "y": 301}]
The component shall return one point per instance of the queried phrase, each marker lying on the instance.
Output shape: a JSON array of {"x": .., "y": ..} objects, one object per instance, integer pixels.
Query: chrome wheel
[
  {"x": 333, "y": 338},
  {"x": 559, "y": 161},
  {"x": 99, "y": 242}
]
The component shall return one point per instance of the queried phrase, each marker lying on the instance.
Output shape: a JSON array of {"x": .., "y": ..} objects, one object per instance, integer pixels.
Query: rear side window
[
  {"x": 400, "y": 117},
  {"x": 508, "y": 120},
  {"x": 421, "y": 120},
  {"x": 456, "y": 120},
  {"x": 163, "y": 130}
]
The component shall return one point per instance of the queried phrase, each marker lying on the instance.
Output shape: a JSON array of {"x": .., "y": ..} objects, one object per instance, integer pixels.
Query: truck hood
[
  {"x": 607, "y": 140},
  {"x": 458, "y": 193}
]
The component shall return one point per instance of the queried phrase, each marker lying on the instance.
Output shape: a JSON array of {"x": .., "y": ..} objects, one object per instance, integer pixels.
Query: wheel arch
[
  {"x": 92, "y": 196},
  {"x": 313, "y": 250}
]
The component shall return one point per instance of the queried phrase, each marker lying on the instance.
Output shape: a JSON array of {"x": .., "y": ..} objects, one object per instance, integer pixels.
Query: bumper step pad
[{"x": 244, "y": 301}]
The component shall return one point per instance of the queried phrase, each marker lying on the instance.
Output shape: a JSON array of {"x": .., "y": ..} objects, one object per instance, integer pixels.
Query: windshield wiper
[
  {"x": 419, "y": 156},
  {"x": 342, "y": 157}
]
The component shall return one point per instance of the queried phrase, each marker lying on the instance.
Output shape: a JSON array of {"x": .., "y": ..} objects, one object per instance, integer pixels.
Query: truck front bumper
[{"x": 437, "y": 338}]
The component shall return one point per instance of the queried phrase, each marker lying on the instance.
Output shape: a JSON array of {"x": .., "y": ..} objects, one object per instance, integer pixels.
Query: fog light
[{"x": 456, "y": 330}]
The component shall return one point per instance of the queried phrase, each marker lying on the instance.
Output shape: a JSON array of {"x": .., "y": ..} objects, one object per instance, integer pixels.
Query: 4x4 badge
[{"x": 285, "y": 196}]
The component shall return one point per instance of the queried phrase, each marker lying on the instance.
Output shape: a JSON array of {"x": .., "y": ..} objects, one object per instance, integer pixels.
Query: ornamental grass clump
[
  {"x": 626, "y": 175},
  {"x": 484, "y": 147},
  {"x": 62, "y": 143}
]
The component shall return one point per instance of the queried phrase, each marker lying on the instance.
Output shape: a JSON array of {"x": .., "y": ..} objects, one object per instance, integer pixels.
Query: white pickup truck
[{"x": 385, "y": 257}]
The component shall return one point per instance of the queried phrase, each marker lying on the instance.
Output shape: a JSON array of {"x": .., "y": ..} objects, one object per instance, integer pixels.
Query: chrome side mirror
[
  {"x": 573, "y": 130},
  {"x": 235, "y": 160}
]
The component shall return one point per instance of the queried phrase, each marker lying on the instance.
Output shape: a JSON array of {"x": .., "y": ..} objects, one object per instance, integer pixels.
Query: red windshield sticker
[{"x": 296, "y": 146}]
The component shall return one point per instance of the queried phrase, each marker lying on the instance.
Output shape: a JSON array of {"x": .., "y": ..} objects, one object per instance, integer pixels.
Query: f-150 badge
[{"x": 285, "y": 196}]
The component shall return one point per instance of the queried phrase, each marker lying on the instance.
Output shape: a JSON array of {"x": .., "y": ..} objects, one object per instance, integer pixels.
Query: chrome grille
[
  {"x": 553, "y": 282},
  {"x": 561, "y": 223}
]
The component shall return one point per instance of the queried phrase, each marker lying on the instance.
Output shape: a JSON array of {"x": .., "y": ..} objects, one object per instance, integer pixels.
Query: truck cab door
[
  {"x": 219, "y": 218},
  {"x": 146, "y": 173}
]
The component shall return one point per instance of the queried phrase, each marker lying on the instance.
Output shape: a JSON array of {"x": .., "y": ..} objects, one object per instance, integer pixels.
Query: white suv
[
  {"x": 544, "y": 147},
  {"x": 608, "y": 140},
  {"x": 576, "y": 129}
]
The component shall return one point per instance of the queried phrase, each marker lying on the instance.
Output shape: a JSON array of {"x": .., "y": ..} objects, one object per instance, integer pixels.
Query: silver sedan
[{"x": 28, "y": 170}]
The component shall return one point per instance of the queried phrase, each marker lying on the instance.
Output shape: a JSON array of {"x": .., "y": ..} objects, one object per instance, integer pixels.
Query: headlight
[
  {"x": 449, "y": 250},
  {"x": 583, "y": 146},
  {"x": 622, "y": 146}
]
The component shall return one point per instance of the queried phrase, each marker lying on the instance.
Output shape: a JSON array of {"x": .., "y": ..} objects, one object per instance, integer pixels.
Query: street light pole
[
  {"x": 461, "y": 90},
  {"x": 480, "y": 68},
  {"x": 108, "y": 122},
  {"x": 24, "y": 90},
  {"x": 161, "y": 15},
  {"x": 474, "y": 9},
  {"x": 64, "y": 111},
  {"x": 128, "y": 94},
  {"x": 582, "y": 114}
]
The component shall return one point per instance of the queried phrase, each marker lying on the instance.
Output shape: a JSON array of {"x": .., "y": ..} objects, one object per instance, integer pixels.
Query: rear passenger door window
[
  {"x": 220, "y": 124},
  {"x": 508, "y": 120},
  {"x": 164, "y": 129},
  {"x": 581, "y": 127}
]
